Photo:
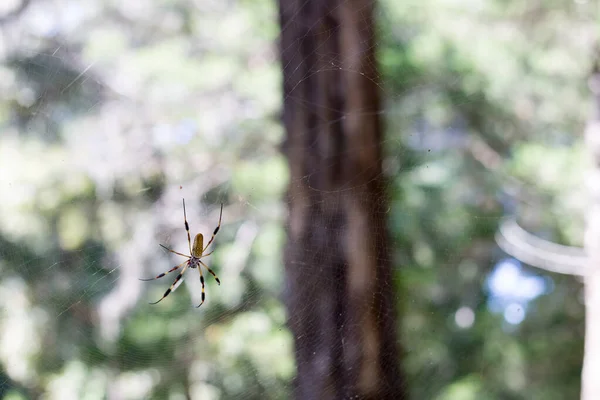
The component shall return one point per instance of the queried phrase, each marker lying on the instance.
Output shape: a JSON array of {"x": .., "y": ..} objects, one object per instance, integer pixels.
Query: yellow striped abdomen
[{"x": 198, "y": 246}]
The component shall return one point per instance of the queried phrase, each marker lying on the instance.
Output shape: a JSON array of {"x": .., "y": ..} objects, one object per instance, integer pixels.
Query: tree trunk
[
  {"x": 339, "y": 288},
  {"x": 590, "y": 388}
]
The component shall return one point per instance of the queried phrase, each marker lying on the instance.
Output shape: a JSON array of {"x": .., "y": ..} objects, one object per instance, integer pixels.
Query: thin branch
[{"x": 538, "y": 252}]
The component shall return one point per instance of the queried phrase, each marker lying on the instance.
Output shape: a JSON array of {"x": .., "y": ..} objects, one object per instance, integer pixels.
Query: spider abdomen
[{"x": 198, "y": 246}]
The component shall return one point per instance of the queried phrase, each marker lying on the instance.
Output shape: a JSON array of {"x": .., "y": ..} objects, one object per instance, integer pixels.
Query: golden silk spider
[{"x": 193, "y": 259}]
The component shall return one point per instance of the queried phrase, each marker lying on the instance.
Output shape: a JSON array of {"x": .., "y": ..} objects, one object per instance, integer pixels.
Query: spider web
[{"x": 114, "y": 112}]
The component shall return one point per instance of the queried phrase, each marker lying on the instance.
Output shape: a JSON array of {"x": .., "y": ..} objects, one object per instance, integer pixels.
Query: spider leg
[
  {"x": 202, "y": 282},
  {"x": 173, "y": 285},
  {"x": 173, "y": 251},
  {"x": 216, "y": 230},
  {"x": 211, "y": 271},
  {"x": 187, "y": 227},
  {"x": 207, "y": 254},
  {"x": 164, "y": 273}
]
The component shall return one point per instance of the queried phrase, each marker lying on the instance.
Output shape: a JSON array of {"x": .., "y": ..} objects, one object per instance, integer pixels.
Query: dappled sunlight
[{"x": 113, "y": 112}]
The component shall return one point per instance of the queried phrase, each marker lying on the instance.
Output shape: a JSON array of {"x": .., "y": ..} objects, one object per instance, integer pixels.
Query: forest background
[{"x": 112, "y": 112}]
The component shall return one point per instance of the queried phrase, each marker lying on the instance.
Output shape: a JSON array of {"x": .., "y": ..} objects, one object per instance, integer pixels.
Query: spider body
[
  {"x": 194, "y": 262},
  {"x": 198, "y": 246},
  {"x": 194, "y": 259}
]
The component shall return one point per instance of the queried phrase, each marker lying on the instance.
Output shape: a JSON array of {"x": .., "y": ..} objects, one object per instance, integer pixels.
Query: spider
[{"x": 193, "y": 259}]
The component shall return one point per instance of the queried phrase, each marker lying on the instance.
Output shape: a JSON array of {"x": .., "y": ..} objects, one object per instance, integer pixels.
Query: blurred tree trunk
[
  {"x": 339, "y": 288},
  {"x": 591, "y": 365}
]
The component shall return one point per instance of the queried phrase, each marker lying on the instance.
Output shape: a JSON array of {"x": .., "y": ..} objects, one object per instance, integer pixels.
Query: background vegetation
[{"x": 111, "y": 112}]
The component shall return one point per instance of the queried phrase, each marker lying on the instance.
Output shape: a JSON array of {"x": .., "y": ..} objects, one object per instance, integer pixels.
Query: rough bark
[
  {"x": 339, "y": 286},
  {"x": 590, "y": 389}
]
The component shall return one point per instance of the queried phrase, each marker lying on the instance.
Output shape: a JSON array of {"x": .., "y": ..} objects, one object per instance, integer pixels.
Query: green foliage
[
  {"x": 494, "y": 73},
  {"x": 125, "y": 110}
]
